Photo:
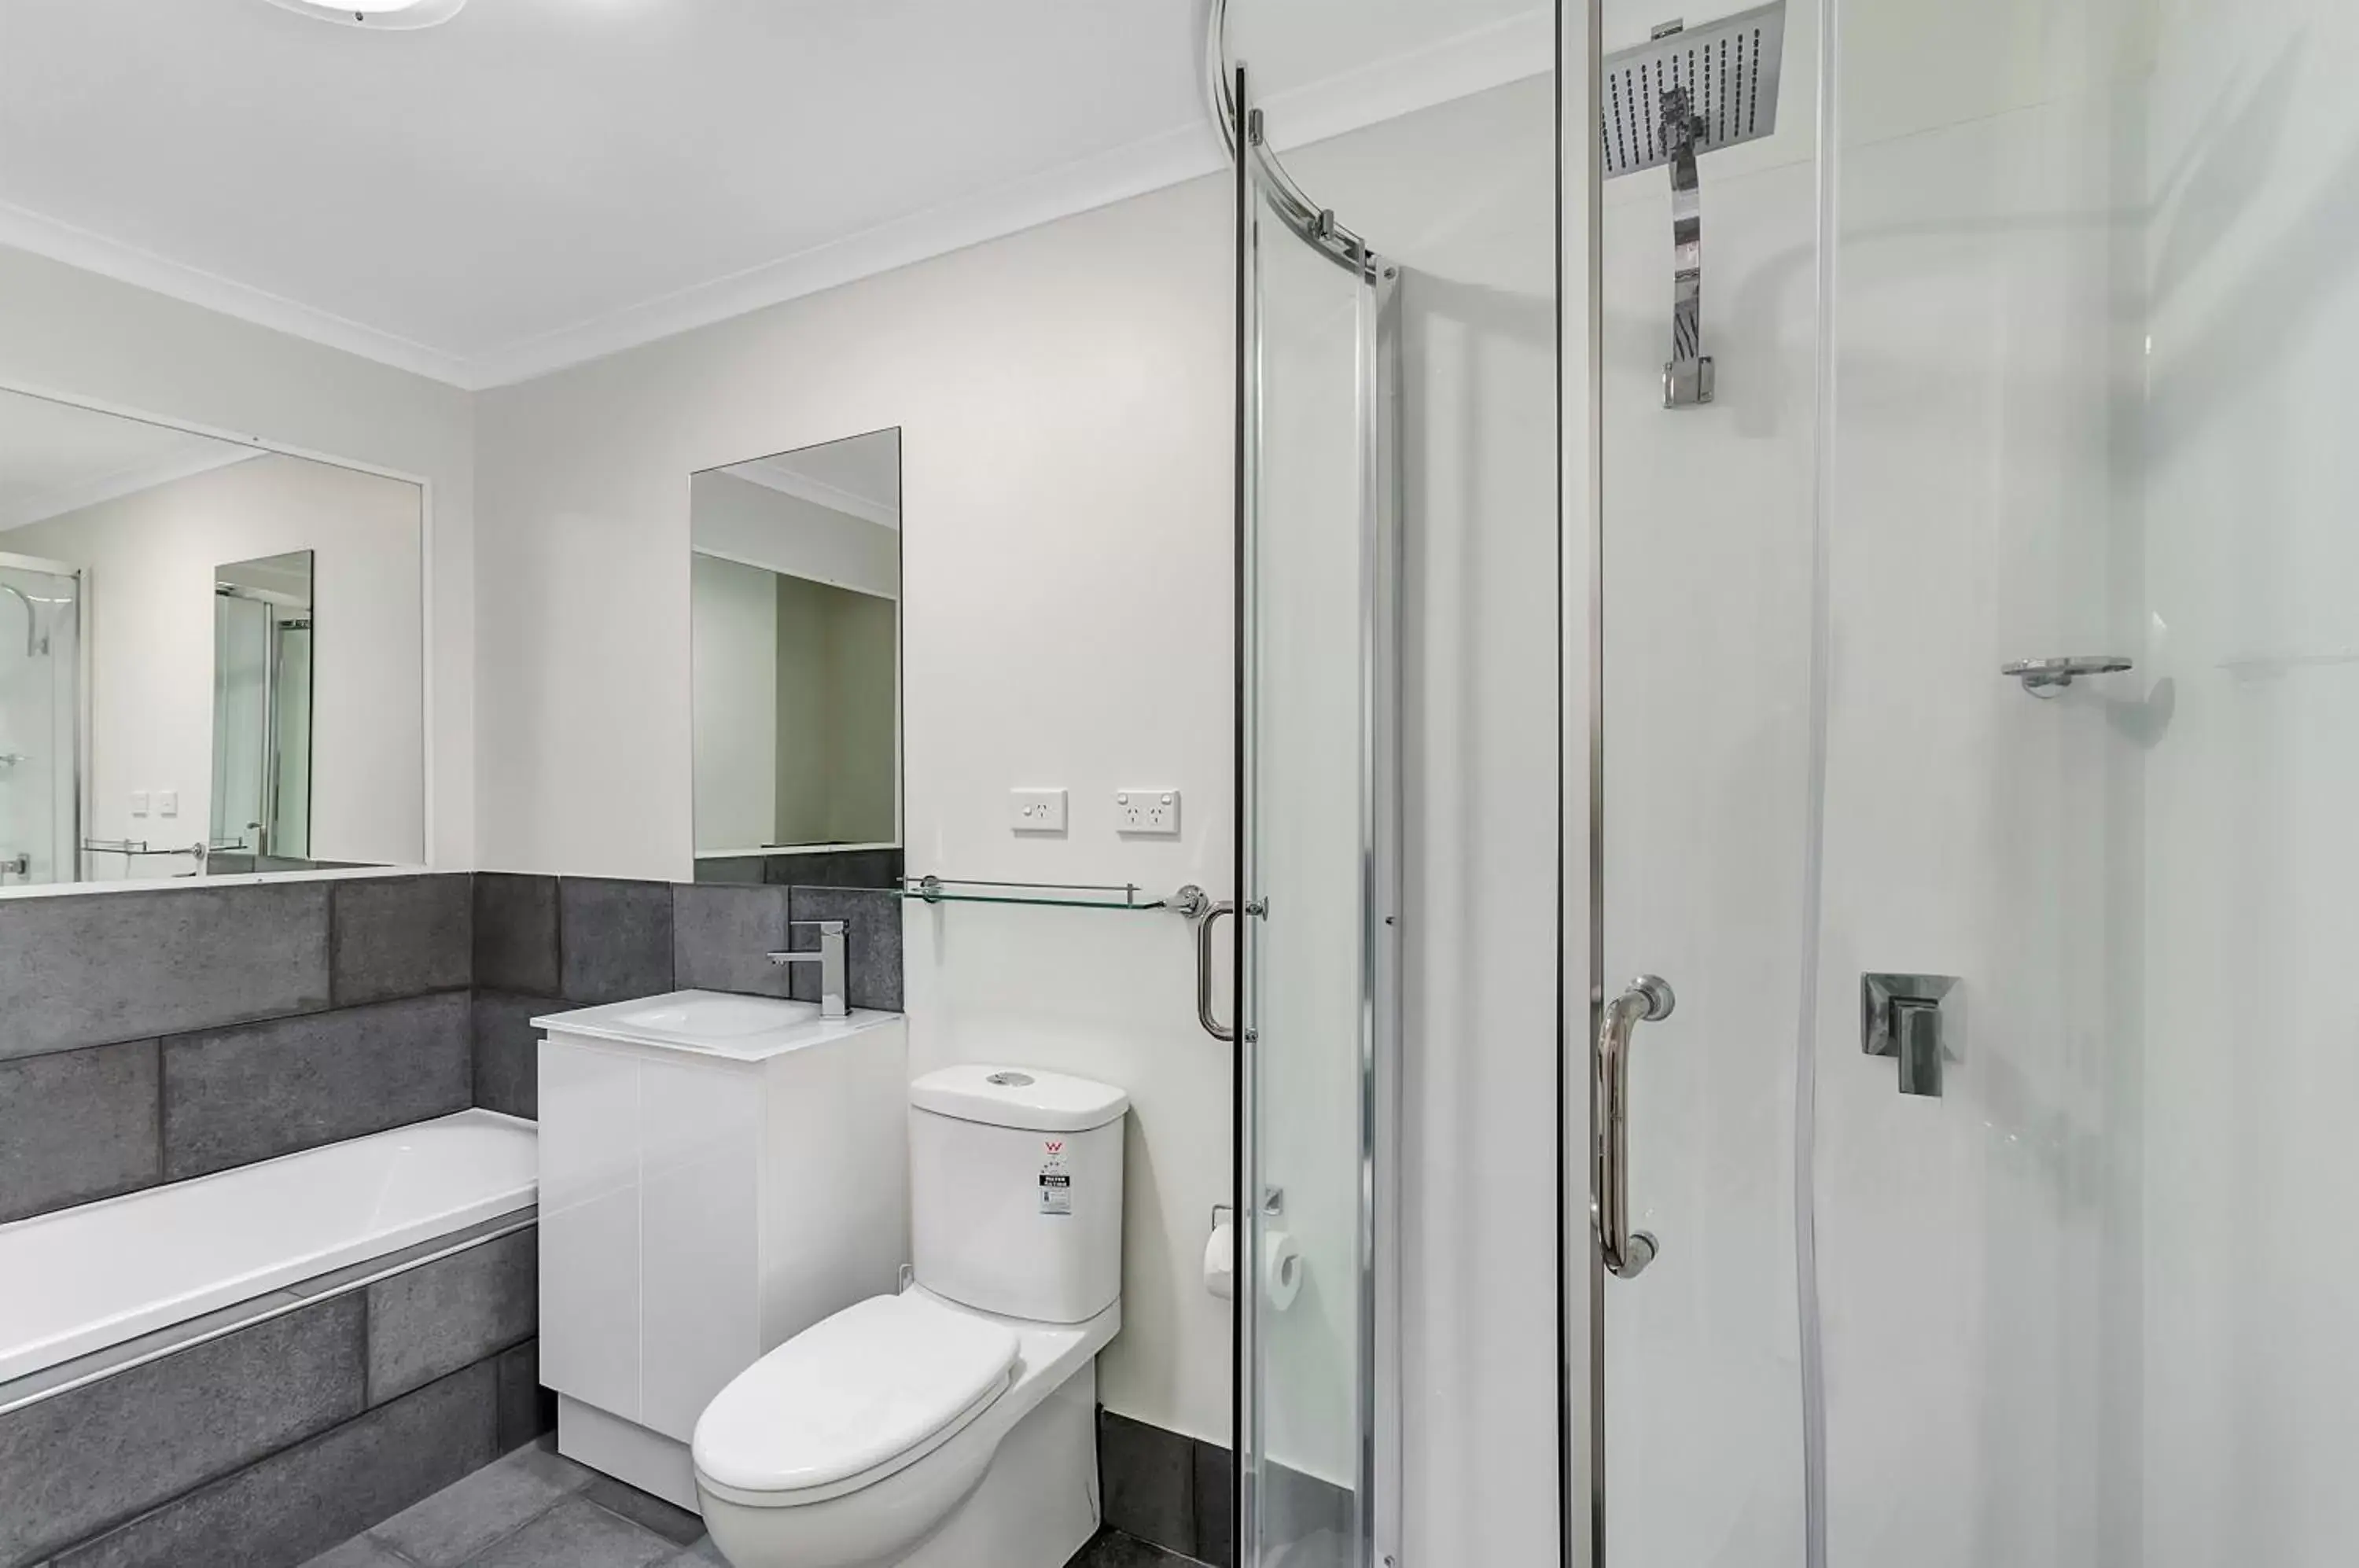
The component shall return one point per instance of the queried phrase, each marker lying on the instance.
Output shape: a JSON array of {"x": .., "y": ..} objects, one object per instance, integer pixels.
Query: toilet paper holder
[{"x": 1273, "y": 1205}]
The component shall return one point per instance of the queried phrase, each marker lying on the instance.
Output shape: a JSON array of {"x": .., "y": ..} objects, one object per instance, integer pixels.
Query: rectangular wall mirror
[
  {"x": 795, "y": 592},
  {"x": 211, "y": 654}
]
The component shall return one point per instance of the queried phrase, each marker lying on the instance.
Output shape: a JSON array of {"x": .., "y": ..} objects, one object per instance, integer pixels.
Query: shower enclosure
[
  {"x": 40, "y": 709},
  {"x": 1959, "y": 662}
]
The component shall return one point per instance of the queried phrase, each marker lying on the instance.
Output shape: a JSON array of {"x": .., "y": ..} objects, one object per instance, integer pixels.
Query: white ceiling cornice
[
  {"x": 1455, "y": 68},
  {"x": 31, "y": 231}
]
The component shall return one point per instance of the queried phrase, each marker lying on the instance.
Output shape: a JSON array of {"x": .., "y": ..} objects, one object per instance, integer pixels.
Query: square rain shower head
[{"x": 1729, "y": 68}]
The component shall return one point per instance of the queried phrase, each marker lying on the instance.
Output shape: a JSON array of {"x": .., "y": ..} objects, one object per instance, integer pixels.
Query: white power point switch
[
  {"x": 1036, "y": 810},
  {"x": 167, "y": 802},
  {"x": 139, "y": 802},
  {"x": 1148, "y": 814}
]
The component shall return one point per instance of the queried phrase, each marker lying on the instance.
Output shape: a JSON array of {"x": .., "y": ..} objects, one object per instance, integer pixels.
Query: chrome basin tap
[{"x": 828, "y": 956}]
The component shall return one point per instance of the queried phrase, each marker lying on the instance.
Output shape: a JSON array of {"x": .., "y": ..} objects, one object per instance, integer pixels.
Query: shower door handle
[
  {"x": 1212, "y": 1026},
  {"x": 1648, "y": 1001}
]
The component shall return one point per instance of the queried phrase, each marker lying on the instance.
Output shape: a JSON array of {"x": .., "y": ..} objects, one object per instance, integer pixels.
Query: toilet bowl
[{"x": 934, "y": 1428}]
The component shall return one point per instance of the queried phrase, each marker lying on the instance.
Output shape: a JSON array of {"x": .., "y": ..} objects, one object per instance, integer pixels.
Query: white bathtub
[{"x": 83, "y": 1279}]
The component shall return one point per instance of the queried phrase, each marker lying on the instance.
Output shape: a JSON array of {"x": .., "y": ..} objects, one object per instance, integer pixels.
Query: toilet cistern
[{"x": 829, "y": 959}]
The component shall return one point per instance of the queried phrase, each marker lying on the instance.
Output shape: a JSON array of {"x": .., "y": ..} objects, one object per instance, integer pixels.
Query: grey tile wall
[
  {"x": 1171, "y": 1491},
  {"x": 872, "y": 942},
  {"x": 262, "y": 1049},
  {"x": 235, "y": 1096},
  {"x": 96, "y": 968},
  {"x": 157, "y": 1035},
  {"x": 614, "y": 939},
  {"x": 721, "y": 936},
  {"x": 515, "y": 934},
  {"x": 837, "y": 868},
  {"x": 402, "y": 936},
  {"x": 77, "y": 1125},
  {"x": 507, "y": 1050}
]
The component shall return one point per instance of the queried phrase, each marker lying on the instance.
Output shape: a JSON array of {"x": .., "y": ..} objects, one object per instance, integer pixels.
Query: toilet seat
[{"x": 851, "y": 1401}]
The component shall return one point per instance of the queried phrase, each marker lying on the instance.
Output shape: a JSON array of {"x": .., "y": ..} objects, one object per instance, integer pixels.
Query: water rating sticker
[{"x": 1056, "y": 1181}]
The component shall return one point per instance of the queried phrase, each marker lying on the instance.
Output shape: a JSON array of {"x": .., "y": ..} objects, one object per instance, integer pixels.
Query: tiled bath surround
[{"x": 361, "y": 1394}]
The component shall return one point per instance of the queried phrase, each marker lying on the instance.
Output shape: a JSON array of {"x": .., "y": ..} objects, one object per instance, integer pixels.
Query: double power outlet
[{"x": 1139, "y": 813}]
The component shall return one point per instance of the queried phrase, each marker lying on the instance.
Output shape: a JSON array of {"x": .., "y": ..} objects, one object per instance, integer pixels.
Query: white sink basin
[{"x": 713, "y": 1023}]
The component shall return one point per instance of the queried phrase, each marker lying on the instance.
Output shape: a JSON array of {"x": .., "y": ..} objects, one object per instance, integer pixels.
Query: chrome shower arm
[{"x": 1688, "y": 378}]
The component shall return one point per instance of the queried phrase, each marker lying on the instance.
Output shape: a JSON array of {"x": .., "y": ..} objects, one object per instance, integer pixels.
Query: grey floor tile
[
  {"x": 676, "y": 1525},
  {"x": 116, "y": 966},
  {"x": 613, "y": 939},
  {"x": 402, "y": 936},
  {"x": 450, "y": 1528},
  {"x": 515, "y": 934},
  {"x": 872, "y": 944},
  {"x": 358, "y": 1553},
  {"x": 507, "y": 1050},
  {"x": 702, "y": 1555},
  {"x": 721, "y": 937},
  {"x": 427, "y": 1321},
  {"x": 235, "y": 1096},
  {"x": 77, "y": 1125},
  {"x": 577, "y": 1534},
  {"x": 1112, "y": 1549}
]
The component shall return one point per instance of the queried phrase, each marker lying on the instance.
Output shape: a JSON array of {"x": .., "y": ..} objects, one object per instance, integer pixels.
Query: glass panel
[
  {"x": 39, "y": 717},
  {"x": 1306, "y": 987}
]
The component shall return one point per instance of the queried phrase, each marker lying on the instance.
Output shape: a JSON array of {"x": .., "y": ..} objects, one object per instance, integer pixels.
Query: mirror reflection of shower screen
[{"x": 262, "y": 707}]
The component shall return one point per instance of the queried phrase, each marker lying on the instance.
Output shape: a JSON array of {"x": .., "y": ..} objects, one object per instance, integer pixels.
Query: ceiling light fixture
[{"x": 384, "y": 15}]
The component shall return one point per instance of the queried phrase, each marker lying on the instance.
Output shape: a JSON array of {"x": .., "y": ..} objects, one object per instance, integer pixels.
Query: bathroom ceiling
[{"x": 539, "y": 181}]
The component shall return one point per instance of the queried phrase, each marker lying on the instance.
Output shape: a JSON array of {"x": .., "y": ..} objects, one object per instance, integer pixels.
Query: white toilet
[{"x": 954, "y": 1423}]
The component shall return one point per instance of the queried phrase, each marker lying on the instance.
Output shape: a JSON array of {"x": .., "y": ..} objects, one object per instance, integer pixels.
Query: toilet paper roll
[
  {"x": 1281, "y": 1270},
  {"x": 1220, "y": 1262}
]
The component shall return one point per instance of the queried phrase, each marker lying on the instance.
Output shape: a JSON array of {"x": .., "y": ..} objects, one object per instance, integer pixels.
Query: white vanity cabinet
[{"x": 717, "y": 1173}]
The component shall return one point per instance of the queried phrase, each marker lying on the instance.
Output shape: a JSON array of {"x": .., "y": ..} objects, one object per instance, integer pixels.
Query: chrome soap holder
[{"x": 2044, "y": 678}]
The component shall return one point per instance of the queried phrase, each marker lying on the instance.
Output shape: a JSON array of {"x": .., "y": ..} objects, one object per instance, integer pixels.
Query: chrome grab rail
[
  {"x": 1212, "y": 1026},
  {"x": 1648, "y": 999}
]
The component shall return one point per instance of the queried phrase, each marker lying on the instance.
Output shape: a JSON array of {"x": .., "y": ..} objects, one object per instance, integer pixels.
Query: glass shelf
[{"x": 1189, "y": 900}]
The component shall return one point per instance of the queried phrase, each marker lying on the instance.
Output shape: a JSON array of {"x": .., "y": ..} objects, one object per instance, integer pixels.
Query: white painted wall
[
  {"x": 153, "y": 557},
  {"x": 75, "y": 334},
  {"x": 736, "y": 623},
  {"x": 761, "y": 527},
  {"x": 1064, "y": 398}
]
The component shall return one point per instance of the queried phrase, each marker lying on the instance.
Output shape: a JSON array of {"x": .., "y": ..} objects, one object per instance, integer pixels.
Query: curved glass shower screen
[{"x": 1317, "y": 874}]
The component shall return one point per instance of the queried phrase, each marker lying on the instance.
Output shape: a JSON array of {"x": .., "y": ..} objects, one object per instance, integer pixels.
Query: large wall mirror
[
  {"x": 795, "y": 588},
  {"x": 211, "y": 654}
]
